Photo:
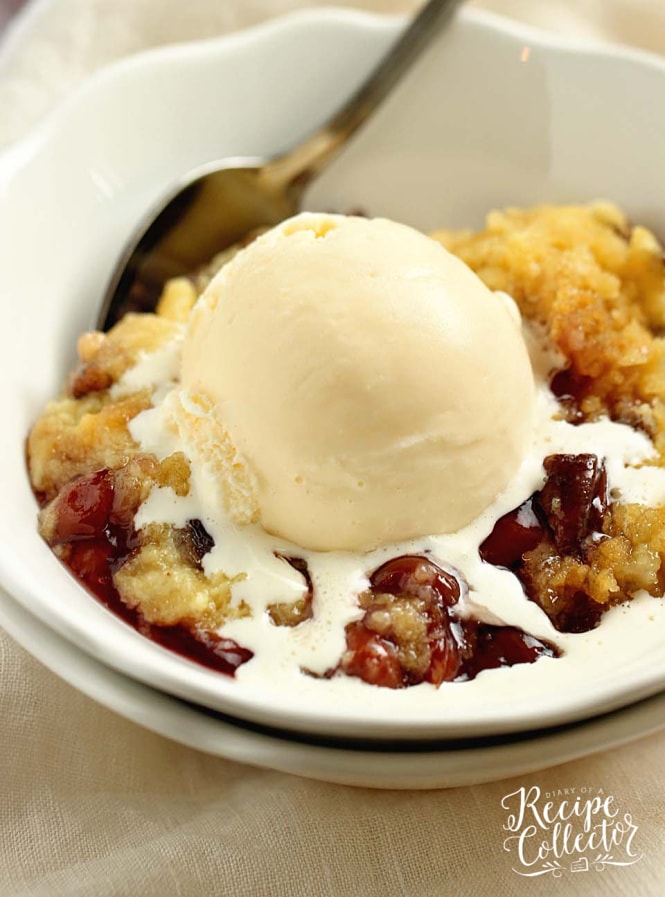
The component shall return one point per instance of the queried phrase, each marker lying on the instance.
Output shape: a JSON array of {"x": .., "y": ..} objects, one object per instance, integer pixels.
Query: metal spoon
[{"x": 218, "y": 205}]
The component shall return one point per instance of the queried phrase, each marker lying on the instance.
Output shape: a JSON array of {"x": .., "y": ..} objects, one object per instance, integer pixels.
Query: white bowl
[
  {"x": 494, "y": 115},
  {"x": 441, "y": 765}
]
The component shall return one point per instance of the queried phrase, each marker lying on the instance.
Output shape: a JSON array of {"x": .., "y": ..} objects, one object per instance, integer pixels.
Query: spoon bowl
[
  {"x": 215, "y": 207},
  {"x": 214, "y": 210}
]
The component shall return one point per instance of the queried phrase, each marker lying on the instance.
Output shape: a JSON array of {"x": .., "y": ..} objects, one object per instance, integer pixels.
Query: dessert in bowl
[{"x": 329, "y": 690}]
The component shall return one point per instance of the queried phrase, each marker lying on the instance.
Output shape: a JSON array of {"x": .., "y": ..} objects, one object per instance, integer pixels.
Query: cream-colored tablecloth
[{"x": 93, "y": 805}]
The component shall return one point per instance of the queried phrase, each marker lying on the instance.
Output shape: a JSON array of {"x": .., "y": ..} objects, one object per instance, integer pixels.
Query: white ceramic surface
[
  {"x": 191, "y": 726},
  {"x": 495, "y": 114}
]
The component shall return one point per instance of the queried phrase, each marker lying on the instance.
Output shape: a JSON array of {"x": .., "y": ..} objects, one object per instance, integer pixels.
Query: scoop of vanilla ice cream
[{"x": 373, "y": 386}]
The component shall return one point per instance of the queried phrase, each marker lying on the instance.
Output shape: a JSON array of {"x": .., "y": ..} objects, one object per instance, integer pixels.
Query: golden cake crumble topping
[{"x": 598, "y": 287}]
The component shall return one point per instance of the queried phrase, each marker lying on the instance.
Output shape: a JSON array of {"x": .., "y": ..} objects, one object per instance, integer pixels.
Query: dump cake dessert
[{"x": 340, "y": 452}]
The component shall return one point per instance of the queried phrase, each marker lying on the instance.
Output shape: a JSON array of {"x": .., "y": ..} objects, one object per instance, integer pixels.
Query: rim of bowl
[{"x": 151, "y": 669}]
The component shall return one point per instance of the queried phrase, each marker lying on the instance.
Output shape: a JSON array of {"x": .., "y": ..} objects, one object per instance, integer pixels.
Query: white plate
[
  {"x": 192, "y": 726},
  {"x": 495, "y": 114}
]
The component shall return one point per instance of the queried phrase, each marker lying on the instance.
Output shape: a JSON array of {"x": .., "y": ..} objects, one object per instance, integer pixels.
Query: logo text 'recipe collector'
[{"x": 567, "y": 830}]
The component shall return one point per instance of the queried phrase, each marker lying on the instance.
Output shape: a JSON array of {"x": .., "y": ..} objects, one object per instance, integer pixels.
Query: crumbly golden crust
[
  {"x": 76, "y": 436},
  {"x": 160, "y": 580},
  {"x": 598, "y": 286}
]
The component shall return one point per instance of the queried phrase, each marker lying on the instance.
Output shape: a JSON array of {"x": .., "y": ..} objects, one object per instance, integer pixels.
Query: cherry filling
[
  {"x": 513, "y": 535},
  {"x": 93, "y": 534},
  {"x": 557, "y": 524},
  {"x": 411, "y": 631},
  {"x": 571, "y": 389},
  {"x": 574, "y": 499}
]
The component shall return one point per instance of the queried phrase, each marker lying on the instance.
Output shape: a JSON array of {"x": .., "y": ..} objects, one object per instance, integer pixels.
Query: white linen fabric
[{"x": 91, "y": 804}]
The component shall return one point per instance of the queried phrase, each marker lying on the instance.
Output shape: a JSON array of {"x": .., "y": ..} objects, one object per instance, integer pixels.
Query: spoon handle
[{"x": 300, "y": 165}]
